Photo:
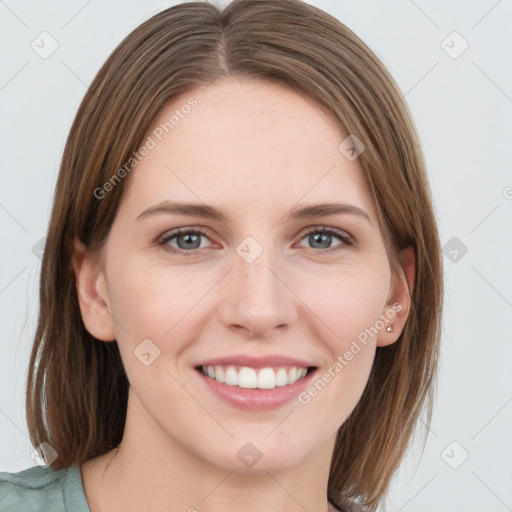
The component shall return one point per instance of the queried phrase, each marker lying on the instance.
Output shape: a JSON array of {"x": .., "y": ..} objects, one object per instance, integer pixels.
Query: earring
[{"x": 389, "y": 328}]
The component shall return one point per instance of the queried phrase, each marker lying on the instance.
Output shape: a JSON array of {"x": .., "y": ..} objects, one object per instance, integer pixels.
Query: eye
[
  {"x": 321, "y": 238},
  {"x": 187, "y": 240}
]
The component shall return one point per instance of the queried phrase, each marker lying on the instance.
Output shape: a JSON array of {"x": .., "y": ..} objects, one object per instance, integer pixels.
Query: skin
[{"x": 254, "y": 150}]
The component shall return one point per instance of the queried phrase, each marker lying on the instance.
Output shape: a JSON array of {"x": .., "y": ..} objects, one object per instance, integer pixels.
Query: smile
[
  {"x": 255, "y": 383},
  {"x": 253, "y": 378}
]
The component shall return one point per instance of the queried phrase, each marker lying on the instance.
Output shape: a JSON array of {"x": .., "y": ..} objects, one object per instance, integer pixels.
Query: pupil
[
  {"x": 323, "y": 237},
  {"x": 188, "y": 238}
]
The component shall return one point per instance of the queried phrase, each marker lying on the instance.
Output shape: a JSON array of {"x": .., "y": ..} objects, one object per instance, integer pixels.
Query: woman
[{"x": 241, "y": 287}]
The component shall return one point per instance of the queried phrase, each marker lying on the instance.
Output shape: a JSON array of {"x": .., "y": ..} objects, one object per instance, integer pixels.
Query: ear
[
  {"x": 92, "y": 293},
  {"x": 399, "y": 300}
]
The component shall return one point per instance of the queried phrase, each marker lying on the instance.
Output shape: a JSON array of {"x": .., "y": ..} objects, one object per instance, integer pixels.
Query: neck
[{"x": 151, "y": 471}]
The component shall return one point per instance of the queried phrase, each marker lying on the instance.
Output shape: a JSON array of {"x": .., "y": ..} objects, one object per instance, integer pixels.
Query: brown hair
[{"x": 76, "y": 387}]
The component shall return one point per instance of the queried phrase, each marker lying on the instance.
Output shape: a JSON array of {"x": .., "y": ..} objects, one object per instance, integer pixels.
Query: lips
[{"x": 256, "y": 383}]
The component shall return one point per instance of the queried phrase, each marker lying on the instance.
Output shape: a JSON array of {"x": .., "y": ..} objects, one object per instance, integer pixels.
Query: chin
[{"x": 261, "y": 455}]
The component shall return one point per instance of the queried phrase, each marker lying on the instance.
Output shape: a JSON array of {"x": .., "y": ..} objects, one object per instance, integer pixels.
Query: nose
[{"x": 256, "y": 299}]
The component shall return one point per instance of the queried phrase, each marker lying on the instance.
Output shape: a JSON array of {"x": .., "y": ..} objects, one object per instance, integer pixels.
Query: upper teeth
[{"x": 246, "y": 377}]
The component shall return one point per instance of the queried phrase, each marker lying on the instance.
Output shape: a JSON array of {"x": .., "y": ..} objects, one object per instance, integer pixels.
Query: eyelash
[{"x": 346, "y": 240}]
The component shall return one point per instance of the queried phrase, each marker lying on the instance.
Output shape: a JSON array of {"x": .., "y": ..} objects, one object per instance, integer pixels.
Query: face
[{"x": 249, "y": 291}]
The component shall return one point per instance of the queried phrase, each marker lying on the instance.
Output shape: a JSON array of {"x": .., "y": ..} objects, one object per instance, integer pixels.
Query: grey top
[{"x": 44, "y": 489}]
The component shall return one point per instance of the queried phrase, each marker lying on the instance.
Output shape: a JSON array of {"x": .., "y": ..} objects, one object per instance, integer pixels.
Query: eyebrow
[{"x": 209, "y": 212}]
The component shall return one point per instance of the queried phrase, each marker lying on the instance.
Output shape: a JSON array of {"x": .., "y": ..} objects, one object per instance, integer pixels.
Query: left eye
[
  {"x": 325, "y": 235},
  {"x": 188, "y": 240}
]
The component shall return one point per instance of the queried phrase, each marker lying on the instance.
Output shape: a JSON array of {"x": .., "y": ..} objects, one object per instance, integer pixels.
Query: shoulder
[{"x": 41, "y": 489}]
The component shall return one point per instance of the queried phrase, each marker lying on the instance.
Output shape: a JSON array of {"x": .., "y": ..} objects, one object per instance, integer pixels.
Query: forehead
[{"x": 246, "y": 144}]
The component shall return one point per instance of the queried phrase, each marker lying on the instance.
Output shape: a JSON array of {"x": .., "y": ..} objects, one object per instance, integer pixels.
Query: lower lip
[{"x": 256, "y": 399}]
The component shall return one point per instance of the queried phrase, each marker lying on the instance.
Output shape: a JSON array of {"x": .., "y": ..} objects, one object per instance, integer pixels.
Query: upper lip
[{"x": 256, "y": 362}]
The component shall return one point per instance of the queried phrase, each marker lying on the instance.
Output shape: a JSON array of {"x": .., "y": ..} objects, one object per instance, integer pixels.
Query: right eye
[{"x": 188, "y": 239}]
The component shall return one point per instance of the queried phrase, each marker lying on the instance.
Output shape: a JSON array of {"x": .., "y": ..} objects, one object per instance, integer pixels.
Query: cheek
[
  {"x": 150, "y": 300},
  {"x": 349, "y": 306},
  {"x": 345, "y": 299},
  {"x": 144, "y": 291},
  {"x": 147, "y": 302}
]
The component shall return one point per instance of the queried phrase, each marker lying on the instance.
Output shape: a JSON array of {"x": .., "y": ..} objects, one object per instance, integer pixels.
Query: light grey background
[{"x": 462, "y": 107}]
